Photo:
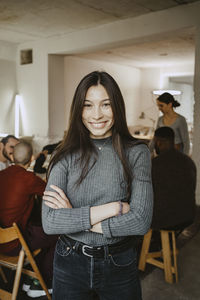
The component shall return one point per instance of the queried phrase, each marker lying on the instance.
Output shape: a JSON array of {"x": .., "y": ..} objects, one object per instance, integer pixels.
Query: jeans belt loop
[
  {"x": 106, "y": 251},
  {"x": 75, "y": 247}
]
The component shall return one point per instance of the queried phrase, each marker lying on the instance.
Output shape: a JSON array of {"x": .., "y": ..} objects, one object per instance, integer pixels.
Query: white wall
[
  {"x": 7, "y": 96},
  {"x": 8, "y": 87},
  {"x": 127, "y": 78},
  {"x": 150, "y": 80},
  {"x": 32, "y": 81},
  {"x": 158, "y": 78},
  {"x": 186, "y": 99},
  {"x": 57, "y": 108}
]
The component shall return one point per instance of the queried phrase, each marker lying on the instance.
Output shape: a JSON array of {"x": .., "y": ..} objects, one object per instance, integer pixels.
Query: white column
[{"x": 196, "y": 136}]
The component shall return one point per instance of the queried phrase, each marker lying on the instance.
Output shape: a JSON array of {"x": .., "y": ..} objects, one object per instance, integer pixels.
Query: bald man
[{"x": 18, "y": 188}]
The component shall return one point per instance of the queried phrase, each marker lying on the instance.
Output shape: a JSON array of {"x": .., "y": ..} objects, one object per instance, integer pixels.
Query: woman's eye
[
  {"x": 87, "y": 105},
  {"x": 106, "y": 104}
]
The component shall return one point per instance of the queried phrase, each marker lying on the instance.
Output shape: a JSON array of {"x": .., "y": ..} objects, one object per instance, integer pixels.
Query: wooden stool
[{"x": 165, "y": 254}]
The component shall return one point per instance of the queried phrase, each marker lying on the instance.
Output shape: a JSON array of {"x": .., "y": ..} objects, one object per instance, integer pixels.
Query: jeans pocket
[
  {"x": 63, "y": 248},
  {"x": 124, "y": 259}
]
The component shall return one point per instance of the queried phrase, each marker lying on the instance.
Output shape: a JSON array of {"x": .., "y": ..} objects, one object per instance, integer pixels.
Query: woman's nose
[{"x": 97, "y": 113}]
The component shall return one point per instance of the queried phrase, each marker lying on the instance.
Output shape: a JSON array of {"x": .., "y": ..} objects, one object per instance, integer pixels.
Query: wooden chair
[
  {"x": 17, "y": 262},
  {"x": 167, "y": 263},
  {"x": 4, "y": 295}
]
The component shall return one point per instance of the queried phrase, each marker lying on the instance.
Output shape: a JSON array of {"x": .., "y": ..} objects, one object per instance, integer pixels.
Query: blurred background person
[
  {"x": 18, "y": 188},
  {"x": 174, "y": 183},
  {"x": 166, "y": 104},
  {"x": 7, "y": 145},
  {"x": 42, "y": 156}
]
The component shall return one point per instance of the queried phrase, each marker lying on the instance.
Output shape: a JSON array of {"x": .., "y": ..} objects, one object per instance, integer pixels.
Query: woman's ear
[{"x": 170, "y": 104}]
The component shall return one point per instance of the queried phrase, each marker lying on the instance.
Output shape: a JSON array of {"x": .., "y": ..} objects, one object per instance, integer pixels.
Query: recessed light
[{"x": 172, "y": 92}]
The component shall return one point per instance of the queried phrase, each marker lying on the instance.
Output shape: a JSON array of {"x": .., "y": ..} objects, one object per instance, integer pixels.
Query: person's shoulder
[
  {"x": 164, "y": 158},
  {"x": 11, "y": 168},
  {"x": 188, "y": 159},
  {"x": 181, "y": 118},
  {"x": 33, "y": 179},
  {"x": 62, "y": 163},
  {"x": 159, "y": 120},
  {"x": 29, "y": 174},
  {"x": 138, "y": 147},
  {"x": 2, "y": 165}
]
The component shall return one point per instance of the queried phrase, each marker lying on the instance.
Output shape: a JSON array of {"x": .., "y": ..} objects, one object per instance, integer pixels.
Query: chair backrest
[
  {"x": 13, "y": 233},
  {"x": 22, "y": 241},
  {"x": 8, "y": 234}
]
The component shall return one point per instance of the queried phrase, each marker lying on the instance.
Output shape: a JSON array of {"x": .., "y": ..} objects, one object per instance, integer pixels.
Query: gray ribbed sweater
[{"x": 104, "y": 183}]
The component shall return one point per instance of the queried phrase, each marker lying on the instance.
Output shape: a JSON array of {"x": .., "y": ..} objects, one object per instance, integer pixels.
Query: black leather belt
[{"x": 100, "y": 251}]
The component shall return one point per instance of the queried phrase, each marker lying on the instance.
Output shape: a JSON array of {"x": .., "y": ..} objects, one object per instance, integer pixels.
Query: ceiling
[
  {"x": 29, "y": 20},
  {"x": 165, "y": 52}
]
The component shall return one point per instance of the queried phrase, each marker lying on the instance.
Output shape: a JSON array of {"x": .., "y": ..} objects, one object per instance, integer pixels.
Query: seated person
[
  {"x": 174, "y": 183},
  {"x": 48, "y": 149},
  {"x": 7, "y": 145},
  {"x": 18, "y": 188}
]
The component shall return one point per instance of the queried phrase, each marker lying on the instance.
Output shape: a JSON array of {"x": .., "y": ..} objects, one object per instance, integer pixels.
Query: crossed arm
[{"x": 57, "y": 199}]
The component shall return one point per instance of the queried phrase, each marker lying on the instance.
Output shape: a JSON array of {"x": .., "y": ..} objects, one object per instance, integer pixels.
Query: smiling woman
[{"x": 98, "y": 197}]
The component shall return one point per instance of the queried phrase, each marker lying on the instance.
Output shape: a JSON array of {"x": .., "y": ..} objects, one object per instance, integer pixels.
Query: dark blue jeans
[{"x": 76, "y": 276}]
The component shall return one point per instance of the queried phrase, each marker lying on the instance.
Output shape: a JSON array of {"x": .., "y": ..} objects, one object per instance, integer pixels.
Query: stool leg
[
  {"x": 175, "y": 255},
  {"x": 145, "y": 250},
  {"x": 166, "y": 256}
]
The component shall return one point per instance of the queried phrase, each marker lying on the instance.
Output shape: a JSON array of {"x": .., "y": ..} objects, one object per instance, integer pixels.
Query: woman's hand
[
  {"x": 56, "y": 199},
  {"x": 125, "y": 208},
  {"x": 97, "y": 228}
]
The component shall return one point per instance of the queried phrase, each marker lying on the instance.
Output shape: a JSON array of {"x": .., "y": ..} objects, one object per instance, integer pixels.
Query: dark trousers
[
  {"x": 77, "y": 276},
  {"x": 36, "y": 238}
]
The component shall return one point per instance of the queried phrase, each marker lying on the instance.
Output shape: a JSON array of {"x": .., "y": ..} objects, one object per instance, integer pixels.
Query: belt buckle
[{"x": 83, "y": 250}]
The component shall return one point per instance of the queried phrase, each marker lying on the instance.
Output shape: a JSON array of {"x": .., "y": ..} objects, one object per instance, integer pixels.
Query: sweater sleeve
[
  {"x": 138, "y": 220},
  {"x": 183, "y": 129},
  {"x": 64, "y": 220}
]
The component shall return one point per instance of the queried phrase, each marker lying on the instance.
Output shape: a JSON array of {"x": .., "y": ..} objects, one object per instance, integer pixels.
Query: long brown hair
[{"x": 78, "y": 136}]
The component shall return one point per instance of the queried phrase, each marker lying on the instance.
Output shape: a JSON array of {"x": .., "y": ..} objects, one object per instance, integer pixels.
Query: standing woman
[
  {"x": 166, "y": 104},
  {"x": 98, "y": 197}
]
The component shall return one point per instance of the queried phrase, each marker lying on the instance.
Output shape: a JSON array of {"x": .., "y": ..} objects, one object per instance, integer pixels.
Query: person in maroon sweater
[{"x": 18, "y": 188}]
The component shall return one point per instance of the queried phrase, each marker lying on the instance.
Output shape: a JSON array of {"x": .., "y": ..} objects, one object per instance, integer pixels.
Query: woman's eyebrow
[{"x": 107, "y": 99}]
